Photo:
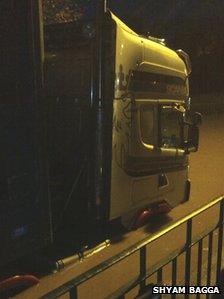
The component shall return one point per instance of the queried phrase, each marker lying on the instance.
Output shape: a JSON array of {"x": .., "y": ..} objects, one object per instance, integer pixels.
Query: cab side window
[
  {"x": 170, "y": 132},
  {"x": 147, "y": 124}
]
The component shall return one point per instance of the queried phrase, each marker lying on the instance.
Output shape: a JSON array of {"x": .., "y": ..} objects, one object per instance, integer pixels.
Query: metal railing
[{"x": 71, "y": 287}]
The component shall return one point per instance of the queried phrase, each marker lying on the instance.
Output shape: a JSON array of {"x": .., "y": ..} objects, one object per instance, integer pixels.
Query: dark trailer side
[{"x": 24, "y": 198}]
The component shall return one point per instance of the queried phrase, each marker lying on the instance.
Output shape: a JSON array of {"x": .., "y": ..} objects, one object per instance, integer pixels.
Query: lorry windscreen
[{"x": 155, "y": 83}]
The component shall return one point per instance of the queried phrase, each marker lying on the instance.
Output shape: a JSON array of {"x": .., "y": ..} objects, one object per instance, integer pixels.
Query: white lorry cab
[
  {"x": 150, "y": 131},
  {"x": 128, "y": 118}
]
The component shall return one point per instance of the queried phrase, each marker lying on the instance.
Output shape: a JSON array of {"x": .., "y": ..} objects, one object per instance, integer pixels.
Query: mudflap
[{"x": 16, "y": 284}]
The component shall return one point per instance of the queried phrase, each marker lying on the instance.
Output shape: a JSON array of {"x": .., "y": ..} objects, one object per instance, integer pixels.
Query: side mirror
[
  {"x": 192, "y": 122},
  {"x": 193, "y": 139},
  {"x": 197, "y": 118}
]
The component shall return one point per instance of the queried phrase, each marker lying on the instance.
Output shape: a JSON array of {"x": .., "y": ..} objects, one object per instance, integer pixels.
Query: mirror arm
[{"x": 189, "y": 150}]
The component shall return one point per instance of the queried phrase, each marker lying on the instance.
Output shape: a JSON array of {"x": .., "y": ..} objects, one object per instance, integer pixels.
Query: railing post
[
  {"x": 220, "y": 241},
  {"x": 188, "y": 254},
  {"x": 160, "y": 276},
  {"x": 142, "y": 267},
  {"x": 174, "y": 275},
  {"x": 200, "y": 248},
  {"x": 209, "y": 266},
  {"x": 73, "y": 293}
]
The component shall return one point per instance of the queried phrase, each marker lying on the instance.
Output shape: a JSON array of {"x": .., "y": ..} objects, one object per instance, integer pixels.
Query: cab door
[
  {"x": 156, "y": 162},
  {"x": 161, "y": 157},
  {"x": 141, "y": 164},
  {"x": 173, "y": 170}
]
